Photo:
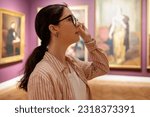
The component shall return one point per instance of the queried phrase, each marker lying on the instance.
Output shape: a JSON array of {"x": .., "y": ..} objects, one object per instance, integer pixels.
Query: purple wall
[
  {"x": 29, "y": 8},
  {"x": 12, "y": 70}
]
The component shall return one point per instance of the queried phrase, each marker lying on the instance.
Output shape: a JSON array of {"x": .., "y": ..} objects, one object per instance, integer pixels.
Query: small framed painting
[{"x": 12, "y": 29}]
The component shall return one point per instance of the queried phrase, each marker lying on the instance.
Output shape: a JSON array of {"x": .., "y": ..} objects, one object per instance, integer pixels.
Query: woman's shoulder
[{"x": 44, "y": 68}]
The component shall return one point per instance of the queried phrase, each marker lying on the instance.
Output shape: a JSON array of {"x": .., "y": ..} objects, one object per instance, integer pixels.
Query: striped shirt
[{"x": 49, "y": 79}]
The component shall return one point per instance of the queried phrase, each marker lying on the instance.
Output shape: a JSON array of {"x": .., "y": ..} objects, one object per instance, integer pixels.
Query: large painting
[
  {"x": 78, "y": 49},
  {"x": 11, "y": 36},
  {"x": 148, "y": 34},
  {"x": 118, "y": 32}
]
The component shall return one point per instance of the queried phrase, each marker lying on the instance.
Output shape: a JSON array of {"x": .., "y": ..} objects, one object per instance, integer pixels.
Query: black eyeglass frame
[{"x": 74, "y": 20}]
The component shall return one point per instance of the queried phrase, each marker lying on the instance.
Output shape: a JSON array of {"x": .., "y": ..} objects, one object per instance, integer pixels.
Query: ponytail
[{"x": 35, "y": 57}]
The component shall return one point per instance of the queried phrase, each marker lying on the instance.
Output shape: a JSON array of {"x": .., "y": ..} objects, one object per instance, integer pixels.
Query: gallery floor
[{"x": 103, "y": 88}]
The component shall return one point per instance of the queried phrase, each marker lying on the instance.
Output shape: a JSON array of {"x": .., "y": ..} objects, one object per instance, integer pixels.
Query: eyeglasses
[{"x": 73, "y": 19}]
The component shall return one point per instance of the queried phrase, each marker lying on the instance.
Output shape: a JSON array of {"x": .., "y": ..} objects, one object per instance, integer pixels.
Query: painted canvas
[
  {"x": 12, "y": 36},
  {"x": 118, "y": 31}
]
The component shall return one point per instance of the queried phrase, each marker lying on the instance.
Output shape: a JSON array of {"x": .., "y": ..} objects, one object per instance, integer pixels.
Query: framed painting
[
  {"x": 148, "y": 34},
  {"x": 11, "y": 36},
  {"x": 118, "y": 32},
  {"x": 78, "y": 49}
]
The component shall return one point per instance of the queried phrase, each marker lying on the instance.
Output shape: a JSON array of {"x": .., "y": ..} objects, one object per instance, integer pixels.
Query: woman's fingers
[{"x": 83, "y": 31}]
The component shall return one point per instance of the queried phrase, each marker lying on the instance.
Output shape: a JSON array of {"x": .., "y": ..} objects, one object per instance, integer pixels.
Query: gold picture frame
[
  {"x": 78, "y": 49},
  {"x": 118, "y": 31},
  {"x": 148, "y": 34},
  {"x": 12, "y": 28}
]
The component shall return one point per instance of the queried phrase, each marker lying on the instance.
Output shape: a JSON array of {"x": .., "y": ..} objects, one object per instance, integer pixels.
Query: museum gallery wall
[{"x": 132, "y": 51}]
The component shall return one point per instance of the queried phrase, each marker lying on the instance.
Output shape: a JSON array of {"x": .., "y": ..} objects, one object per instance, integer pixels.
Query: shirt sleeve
[
  {"x": 40, "y": 88},
  {"x": 99, "y": 64}
]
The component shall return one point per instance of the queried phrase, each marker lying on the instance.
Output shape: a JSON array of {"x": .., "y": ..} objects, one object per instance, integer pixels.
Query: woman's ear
[{"x": 53, "y": 29}]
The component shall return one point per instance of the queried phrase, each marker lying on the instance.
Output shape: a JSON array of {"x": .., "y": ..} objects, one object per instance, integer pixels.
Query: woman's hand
[{"x": 83, "y": 32}]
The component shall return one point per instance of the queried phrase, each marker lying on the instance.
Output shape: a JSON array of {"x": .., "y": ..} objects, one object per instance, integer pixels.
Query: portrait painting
[
  {"x": 148, "y": 34},
  {"x": 12, "y": 36},
  {"x": 118, "y": 32},
  {"x": 78, "y": 49}
]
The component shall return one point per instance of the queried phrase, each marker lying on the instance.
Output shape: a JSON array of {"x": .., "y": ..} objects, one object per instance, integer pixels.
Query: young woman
[{"x": 50, "y": 74}]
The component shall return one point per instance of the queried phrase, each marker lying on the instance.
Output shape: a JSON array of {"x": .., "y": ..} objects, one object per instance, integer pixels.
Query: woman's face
[{"x": 68, "y": 31}]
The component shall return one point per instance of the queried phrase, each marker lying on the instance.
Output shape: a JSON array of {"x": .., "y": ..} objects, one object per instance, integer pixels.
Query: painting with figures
[{"x": 118, "y": 32}]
